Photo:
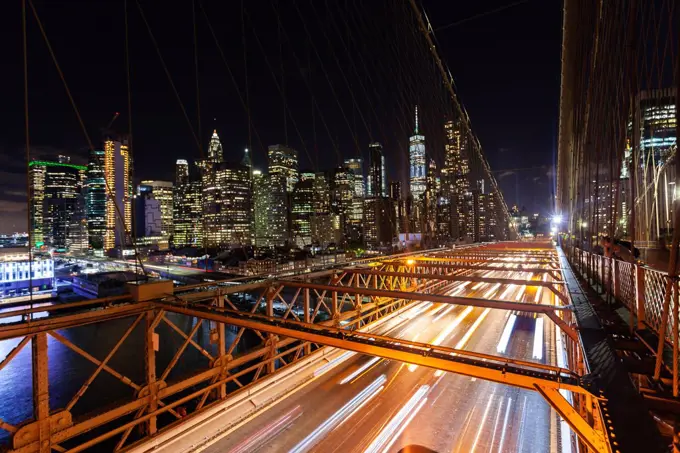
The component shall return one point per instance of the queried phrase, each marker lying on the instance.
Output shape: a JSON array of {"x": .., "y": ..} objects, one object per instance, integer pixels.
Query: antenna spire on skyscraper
[{"x": 416, "y": 130}]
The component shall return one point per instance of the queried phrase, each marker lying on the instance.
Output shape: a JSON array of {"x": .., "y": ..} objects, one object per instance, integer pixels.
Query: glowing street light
[{"x": 557, "y": 218}]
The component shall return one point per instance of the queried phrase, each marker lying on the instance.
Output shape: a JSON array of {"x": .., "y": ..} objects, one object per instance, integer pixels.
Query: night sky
[{"x": 505, "y": 62}]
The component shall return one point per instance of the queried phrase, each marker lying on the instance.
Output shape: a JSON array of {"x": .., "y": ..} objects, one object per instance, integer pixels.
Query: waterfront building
[
  {"x": 20, "y": 272},
  {"x": 95, "y": 200},
  {"x": 58, "y": 204},
  {"x": 118, "y": 175}
]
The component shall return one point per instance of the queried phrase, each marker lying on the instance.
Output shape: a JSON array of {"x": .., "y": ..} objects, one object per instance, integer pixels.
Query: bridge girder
[
  {"x": 548, "y": 310},
  {"x": 545, "y": 379}
]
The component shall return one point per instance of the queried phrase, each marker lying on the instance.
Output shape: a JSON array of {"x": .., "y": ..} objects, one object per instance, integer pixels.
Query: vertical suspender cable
[{"x": 28, "y": 157}]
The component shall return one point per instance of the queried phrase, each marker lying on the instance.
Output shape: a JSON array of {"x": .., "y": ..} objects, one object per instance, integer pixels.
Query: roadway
[{"x": 361, "y": 403}]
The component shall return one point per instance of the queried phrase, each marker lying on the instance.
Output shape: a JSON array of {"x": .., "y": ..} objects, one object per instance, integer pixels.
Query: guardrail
[{"x": 648, "y": 294}]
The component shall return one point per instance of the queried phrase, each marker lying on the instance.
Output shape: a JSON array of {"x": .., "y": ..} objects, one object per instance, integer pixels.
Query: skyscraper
[
  {"x": 399, "y": 208},
  {"x": 325, "y": 226},
  {"x": 455, "y": 178},
  {"x": 417, "y": 160},
  {"x": 377, "y": 173},
  {"x": 36, "y": 177},
  {"x": 181, "y": 172},
  {"x": 95, "y": 200},
  {"x": 283, "y": 163},
  {"x": 226, "y": 205},
  {"x": 342, "y": 196},
  {"x": 58, "y": 205},
  {"x": 356, "y": 167},
  {"x": 303, "y": 209},
  {"x": 283, "y": 175},
  {"x": 262, "y": 204},
  {"x": 430, "y": 198},
  {"x": 118, "y": 174},
  {"x": 162, "y": 191},
  {"x": 215, "y": 152},
  {"x": 188, "y": 215},
  {"x": 355, "y": 217},
  {"x": 378, "y": 222},
  {"x": 418, "y": 179}
]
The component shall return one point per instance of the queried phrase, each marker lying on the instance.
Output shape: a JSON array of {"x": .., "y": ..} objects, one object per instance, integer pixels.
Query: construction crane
[{"x": 115, "y": 117}]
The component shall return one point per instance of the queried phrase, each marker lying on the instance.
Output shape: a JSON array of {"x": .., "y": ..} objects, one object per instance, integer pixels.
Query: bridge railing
[{"x": 641, "y": 289}]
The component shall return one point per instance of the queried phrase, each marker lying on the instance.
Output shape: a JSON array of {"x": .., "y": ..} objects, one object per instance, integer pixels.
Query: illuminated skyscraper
[
  {"x": 227, "y": 209},
  {"x": 355, "y": 219},
  {"x": 58, "y": 205},
  {"x": 417, "y": 180},
  {"x": 399, "y": 207},
  {"x": 95, "y": 200},
  {"x": 162, "y": 191},
  {"x": 418, "y": 163},
  {"x": 455, "y": 178},
  {"x": 303, "y": 209},
  {"x": 215, "y": 152},
  {"x": 262, "y": 204},
  {"x": 377, "y": 173},
  {"x": 118, "y": 174},
  {"x": 356, "y": 167},
  {"x": 283, "y": 162},
  {"x": 378, "y": 222},
  {"x": 342, "y": 196},
  {"x": 283, "y": 175},
  {"x": 36, "y": 176},
  {"x": 430, "y": 198},
  {"x": 325, "y": 226},
  {"x": 188, "y": 215},
  {"x": 181, "y": 172}
]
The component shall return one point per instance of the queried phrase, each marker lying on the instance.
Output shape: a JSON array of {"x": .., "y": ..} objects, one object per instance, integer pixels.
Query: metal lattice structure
[{"x": 289, "y": 320}]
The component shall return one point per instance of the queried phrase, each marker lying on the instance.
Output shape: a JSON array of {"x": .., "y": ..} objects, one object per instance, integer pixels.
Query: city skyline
[{"x": 155, "y": 110}]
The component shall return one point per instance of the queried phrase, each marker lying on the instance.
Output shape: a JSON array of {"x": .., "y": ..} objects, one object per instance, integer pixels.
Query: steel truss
[{"x": 317, "y": 314}]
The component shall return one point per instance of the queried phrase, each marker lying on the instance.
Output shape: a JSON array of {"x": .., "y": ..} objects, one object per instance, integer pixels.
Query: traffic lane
[
  {"x": 391, "y": 413},
  {"x": 333, "y": 398},
  {"x": 376, "y": 426},
  {"x": 318, "y": 400},
  {"x": 387, "y": 415},
  {"x": 467, "y": 414}
]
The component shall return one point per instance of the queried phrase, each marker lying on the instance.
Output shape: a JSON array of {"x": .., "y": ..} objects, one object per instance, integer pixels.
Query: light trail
[
  {"x": 450, "y": 328},
  {"x": 399, "y": 422},
  {"x": 505, "y": 336},
  {"x": 437, "y": 310},
  {"x": 333, "y": 363},
  {"x": 505, "y": 426},
  {"x": 360, "y": 370},
  {"x": 493, "y": 289},
  {"x": 267, "y": 433},
  {"x": 463, "y": 341},
  {"x": 481, "y": 425},
  {"x": 495, "y": 425},
  {"x": 509, "y": 289},
  {"x": 342, "y": 415},
  {"x": 444, "y": 313},
  {"x": 538, "y": 339}
]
